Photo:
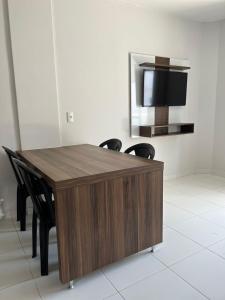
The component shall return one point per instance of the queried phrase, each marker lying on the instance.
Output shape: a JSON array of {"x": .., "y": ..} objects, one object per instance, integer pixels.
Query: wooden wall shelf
[
  {"x": 164, "y": 66},
  {"x": 157, "y": 116},
  {"x": 168, "y": 129}
]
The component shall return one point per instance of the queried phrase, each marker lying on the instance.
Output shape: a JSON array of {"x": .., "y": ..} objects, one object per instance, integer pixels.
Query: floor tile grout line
[
  {"x": 187, "y": 281},
  {"x": 118, "y": 292},
  {"x": 217, "y": 254},
  {"x": 108, "y": 298},
  {"x": 110, "y": 282},
  {"x": 20, "y": 246},
  {"x": 140, "y": 280},
  {"x": 194, "y": 240},
  {"x": 215, "y": 243},
  {"x": 181, "y": 208},
  {"x": 27, "y": 259},
  {"x": 34, "y": 278},
  {"x": 190, "y": 284},
  {"x": 16, "y": 284},
  {"x": 219, "y": 225},
  {"x": 38, "y": 290},
  {"x": 202, "y": 248},
  {"x": 217, "y": 205},
  {"x": 167, "y": 268},
  {"x": 191, "y": 212},
  {"x": 185, "y": 236},
  {"x": 182, "y": 222},
  {"x": 181, "y": 260},
  {"x": 122, "y": 296},
  {"x": 197, "y": 216}
]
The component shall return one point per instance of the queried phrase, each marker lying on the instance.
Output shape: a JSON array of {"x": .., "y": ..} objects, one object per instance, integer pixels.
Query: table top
[{"x": 84, "y": 162}]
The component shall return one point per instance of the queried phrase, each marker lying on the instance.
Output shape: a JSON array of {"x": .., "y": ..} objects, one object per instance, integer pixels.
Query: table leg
[
  {"x": 152, "y": 249},
  {"x": 71, "y": 286}
]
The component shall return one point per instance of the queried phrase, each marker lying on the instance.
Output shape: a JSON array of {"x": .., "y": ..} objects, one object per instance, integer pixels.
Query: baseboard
[
  {"x": 189, "y": 173},
  {"x": 182, "y": 174},
  {"x": 203, "y": 171},
  {"x": 219, "y": 173},
  {"x": 214, "y": 172}
]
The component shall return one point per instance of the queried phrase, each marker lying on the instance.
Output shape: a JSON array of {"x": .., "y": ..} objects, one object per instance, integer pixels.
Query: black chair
[
  {"x": 143, "y": 150},
  {"x": 44, "y": 210},
  {"x": 22, "y": 193},
  {"x": 112, "y": 144}
]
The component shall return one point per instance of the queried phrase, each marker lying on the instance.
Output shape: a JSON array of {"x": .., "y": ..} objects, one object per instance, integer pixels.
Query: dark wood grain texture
[
  {"x": 153, "y": 130},
  {"x": 150, "y": 209},
  {"x": 161, "y": 113},
  {"x": 64, "y": 166},
  {"x": 161, "y": 118},
  {"x": 108, "y": 204},
  {"x": 164, "y": 66},
  {"x": 160, "y": 60},
  {"x": 163, "y": 63}
]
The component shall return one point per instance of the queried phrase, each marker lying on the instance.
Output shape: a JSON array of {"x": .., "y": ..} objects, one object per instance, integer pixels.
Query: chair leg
[
  {"x": 44, "y": 240},
  {"x": 23, "y": 209},
  {"x": 18, "y": 208},
  {"x": 34, "y": 235}
]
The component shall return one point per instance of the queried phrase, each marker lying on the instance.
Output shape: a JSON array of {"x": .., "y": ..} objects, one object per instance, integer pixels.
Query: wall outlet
[{"x": 70, "y": 117}]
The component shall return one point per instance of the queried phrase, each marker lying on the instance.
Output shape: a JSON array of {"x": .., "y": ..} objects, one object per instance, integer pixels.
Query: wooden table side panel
[
  {"x": 100, "y": 223},
  {"x": 130, "y": 199},
  {"x": 150, "y": 210},
  {"x": 115, "y": 213},
  {"x": 62, "y": 212}
]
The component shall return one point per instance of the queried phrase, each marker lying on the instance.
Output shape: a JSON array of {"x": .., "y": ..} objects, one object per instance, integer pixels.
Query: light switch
[{"x": 70, "y": 117}]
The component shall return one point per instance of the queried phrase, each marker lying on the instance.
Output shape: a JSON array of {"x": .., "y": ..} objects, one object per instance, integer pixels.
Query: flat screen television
[{"x": 164, "y": 88}]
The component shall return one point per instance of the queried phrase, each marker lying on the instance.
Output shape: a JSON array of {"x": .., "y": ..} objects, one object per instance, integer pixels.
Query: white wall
[
  {"x": 219, "y": 141},
  {"x": 93, "y": 39},
  {"x": 35, "y": 73},
  {"x": 208, "y": 91},
  {"x": 9, "y": 132}
]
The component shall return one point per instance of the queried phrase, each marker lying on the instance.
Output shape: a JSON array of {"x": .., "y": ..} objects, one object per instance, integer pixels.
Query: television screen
[{"x": 164, "y": 88}]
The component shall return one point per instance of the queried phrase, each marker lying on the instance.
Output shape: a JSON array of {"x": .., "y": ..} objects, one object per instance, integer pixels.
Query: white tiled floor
[{"x": 188, "y": 265}]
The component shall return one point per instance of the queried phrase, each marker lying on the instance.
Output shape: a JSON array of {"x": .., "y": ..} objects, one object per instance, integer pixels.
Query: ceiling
[{"x": 197, "y": 10}]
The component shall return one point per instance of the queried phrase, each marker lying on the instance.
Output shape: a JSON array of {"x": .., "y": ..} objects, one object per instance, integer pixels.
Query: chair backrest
[
  {"x": 12, "y": 155},
  {"x": 143, "y": 150},
  {"x": 112, "y": 144},
  {"x": 39, "y": 192}
]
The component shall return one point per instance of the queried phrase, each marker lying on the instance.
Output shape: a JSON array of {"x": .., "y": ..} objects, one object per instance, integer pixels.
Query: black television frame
[{"x": 167, "y": 102}]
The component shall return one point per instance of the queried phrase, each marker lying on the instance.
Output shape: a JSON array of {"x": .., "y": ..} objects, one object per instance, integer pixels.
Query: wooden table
[{"x": 108, "y": 204}]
